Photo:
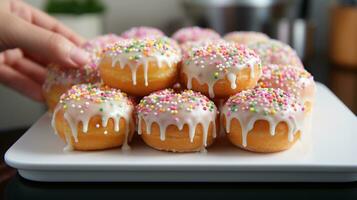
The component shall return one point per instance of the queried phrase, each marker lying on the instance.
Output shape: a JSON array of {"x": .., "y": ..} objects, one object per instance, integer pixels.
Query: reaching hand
[{"x": 30, "y": 40}]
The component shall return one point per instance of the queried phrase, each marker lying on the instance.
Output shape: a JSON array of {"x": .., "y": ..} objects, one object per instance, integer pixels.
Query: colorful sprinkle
[
  {"x": 266, "y": 101},
  {"x": 276, "y": 52},
  {"x": 167, "y": 101},
  {"x": 147, "y": 47},
  {"x": 190, "y": 34},
  {"x": 219, "y": 55},
  {"x": 142, "y": 32},
  {"x": 94, "y": 93},
  {"x": 288, "y": 78}
]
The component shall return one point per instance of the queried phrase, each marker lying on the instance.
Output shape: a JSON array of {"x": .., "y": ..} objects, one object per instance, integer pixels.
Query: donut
[
  {"x": 263, "y": 119},
  {"x": 245, "y": 37},
  {"x": 220, "y": 69},
  {"x": 275, "y": 52},
  {"x": 96, "y": 45},
  {"x": 59, "y": 79},
  {"x": 188, "y": 46},
  {"x": 177, "y": 122},
  {"x": 142, "y": 32},
  {"x": 94, "y": 117},
  {"x": 141, "y": 66},
  {"x": 195, "y": 33},
  {"x": 296, "y": 81}
]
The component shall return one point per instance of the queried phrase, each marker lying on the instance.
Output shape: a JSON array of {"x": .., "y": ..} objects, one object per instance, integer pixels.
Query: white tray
[{"x": 330, "y": 157}]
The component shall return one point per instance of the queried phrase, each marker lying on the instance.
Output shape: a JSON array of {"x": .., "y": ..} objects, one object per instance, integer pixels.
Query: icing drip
[
  {"x": 272, "y": 105},
  {"x": 220, "y": 104},
  {"x": 213, "y": 61},
  {"x": 80, "y": 106},
  {"x": 168, "y": 108},
  {"x": 134, "y": 53},
  {"x": 232, "y": 79}
]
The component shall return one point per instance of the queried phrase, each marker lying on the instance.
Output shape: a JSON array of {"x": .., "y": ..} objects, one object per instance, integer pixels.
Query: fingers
[
  {"x": 20, "y": 83},
  {"x": 17, "y": 61},
  {"x": 45, "y": 21},
  {"x": 51, "y": 46},
  {"x": 11, "y": 56},
  {"x": 20, "y": 11},
  {"x": 31, "y": 69}
]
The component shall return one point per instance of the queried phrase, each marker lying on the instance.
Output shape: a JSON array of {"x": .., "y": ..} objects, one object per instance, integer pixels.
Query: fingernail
[{"x": 79, "y": 56}]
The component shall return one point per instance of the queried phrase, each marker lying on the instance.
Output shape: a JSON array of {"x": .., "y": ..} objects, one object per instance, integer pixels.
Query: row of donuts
[
  {"x": 186, "y": 121},
  {"x": 60, "y": 79},
  {"x": 95, "y": 116}
]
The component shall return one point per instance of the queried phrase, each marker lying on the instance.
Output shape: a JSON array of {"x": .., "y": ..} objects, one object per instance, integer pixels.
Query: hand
[{"x": 29, "y": 40}]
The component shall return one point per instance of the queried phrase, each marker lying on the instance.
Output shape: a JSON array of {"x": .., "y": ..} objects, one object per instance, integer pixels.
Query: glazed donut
[
  {"x": 220, "y": 69},
  {"x": 94, "y": 117},
  {"x": 245, "y": 37},
  {"x": 141, "y": 32},
  {"x": 141, "y": 66},
  {"x": 195, "y": 33},
  {"x": 296, "y": 81},
  {"x": 263, "y": 119},
  {"x": 188, "y": 46},
  {"x": 97, "y": 44},
  {"x": 177, "y": 122},
  {"x": 275, "y": 52},
  {"x": 60, "y": 79}
]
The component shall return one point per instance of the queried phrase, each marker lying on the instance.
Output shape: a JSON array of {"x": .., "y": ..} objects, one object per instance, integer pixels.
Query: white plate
[{"x": 331, "y": 155}]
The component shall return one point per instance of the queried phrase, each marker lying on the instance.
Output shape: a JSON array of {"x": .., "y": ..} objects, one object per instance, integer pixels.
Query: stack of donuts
[{"x": 180, "y": 93}]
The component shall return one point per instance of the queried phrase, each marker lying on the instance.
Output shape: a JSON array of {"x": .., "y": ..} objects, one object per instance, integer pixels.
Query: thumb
[{"x": 50, "y": 46}]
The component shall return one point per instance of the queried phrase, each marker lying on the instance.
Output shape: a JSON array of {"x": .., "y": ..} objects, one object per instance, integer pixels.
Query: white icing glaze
[
  {"x": 220, "y": 104},
  {"x": 130, "y": 53},
  {"x": 232, "y": 79},
  {"x": 199, "y": 115},
  {"x": 247, "y": 121},
  {"x": 209, "y": 69},
  {"x": 295, "y": 120},
  {"x": 123, "y": 60},
  {"x": 163, "y": 120},
  {"x": 74, "y": 114}
]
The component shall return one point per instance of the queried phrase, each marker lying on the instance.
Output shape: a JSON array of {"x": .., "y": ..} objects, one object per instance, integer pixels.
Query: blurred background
[{"x": 323, "y": 32}]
